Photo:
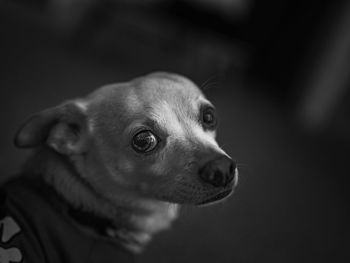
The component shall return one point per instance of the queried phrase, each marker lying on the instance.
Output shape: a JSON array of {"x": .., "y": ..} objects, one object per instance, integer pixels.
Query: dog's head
[{"x": 153, "y": 137}]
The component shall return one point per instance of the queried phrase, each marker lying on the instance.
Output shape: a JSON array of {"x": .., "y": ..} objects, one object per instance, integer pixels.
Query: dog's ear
[{"x": 63, "y": 128}]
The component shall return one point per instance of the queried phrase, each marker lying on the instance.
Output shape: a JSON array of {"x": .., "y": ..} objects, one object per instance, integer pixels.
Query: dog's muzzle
[{"x": 219, "y": 172}]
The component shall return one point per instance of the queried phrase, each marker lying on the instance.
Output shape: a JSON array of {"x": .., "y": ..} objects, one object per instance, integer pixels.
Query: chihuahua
[{"x": 113, "y": 166}]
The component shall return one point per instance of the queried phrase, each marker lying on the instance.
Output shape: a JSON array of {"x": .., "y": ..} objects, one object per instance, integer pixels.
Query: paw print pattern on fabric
[
  {"x": 10, "y": 255},
  {"x": 8, "y": 229}
]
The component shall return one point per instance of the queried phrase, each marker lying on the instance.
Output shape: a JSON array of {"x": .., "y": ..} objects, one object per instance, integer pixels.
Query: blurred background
[{"x": 278, "y": 72}]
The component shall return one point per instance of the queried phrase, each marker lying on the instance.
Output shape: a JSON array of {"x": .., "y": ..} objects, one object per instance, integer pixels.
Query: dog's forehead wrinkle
[
  {"x": 160, "y": 85},
  {"x": 163, "y": 114}
]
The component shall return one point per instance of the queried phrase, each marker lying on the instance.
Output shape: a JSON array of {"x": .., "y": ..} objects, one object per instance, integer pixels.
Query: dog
[{"x": 110, "y": 170}]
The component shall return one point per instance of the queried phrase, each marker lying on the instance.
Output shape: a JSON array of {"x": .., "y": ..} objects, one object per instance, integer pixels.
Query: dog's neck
[{"x": 131, "y": 223}]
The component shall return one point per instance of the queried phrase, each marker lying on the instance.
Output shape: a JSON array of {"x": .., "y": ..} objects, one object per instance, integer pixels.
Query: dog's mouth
[{"x": 215, "y": 198}]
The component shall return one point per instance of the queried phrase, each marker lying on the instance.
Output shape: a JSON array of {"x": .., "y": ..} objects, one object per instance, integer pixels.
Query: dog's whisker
[
  {"x": 209, "y": 83},
  {"x": 206, "y": 81},
  {"x": 222, "y": 145},
  {"x": 187, "y": 209}
]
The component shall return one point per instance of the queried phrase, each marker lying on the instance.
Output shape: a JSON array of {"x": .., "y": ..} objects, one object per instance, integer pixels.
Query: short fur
[{"x": 82, "y": 149}]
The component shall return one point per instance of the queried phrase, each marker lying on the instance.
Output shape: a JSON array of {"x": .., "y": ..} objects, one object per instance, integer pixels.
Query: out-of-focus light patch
[
  {"x": 326, "y": 82},
  {"x": 226, "y": 7},
  {"x": 68, "y": 14}
]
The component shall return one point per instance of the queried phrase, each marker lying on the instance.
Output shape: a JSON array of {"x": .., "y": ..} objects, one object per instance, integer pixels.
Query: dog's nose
[{"x": 218, "y": 172}]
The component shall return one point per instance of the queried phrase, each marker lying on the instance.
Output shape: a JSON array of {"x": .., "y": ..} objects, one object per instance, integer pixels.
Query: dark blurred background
[{"x": 278, "y": 72}]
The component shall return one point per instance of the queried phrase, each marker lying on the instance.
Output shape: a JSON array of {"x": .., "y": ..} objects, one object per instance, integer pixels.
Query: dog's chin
[{"x": 216, "y": 198}]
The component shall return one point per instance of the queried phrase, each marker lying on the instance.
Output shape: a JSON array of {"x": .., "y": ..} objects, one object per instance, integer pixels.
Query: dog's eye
[
  {"x": 144, "y": 141},
  {"x": 208, "y": 118}
]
